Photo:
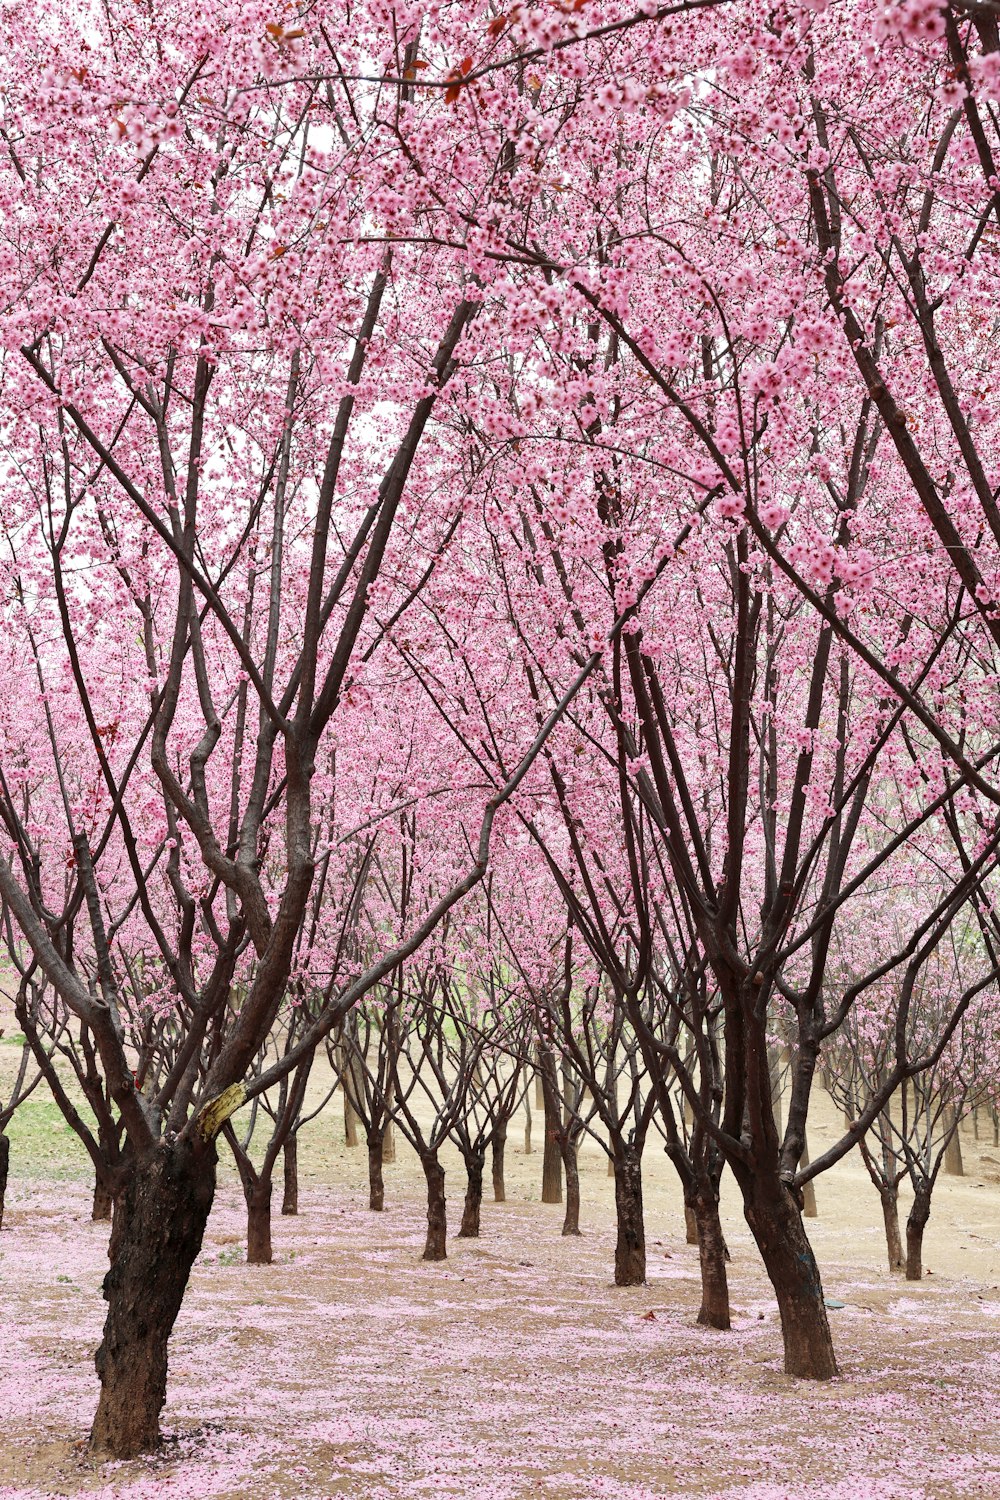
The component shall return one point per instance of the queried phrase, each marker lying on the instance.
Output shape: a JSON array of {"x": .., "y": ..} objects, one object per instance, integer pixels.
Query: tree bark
[
  {"x": 437, "y": 1221},
  {"x": 953, "y": 1164},
  {"x": 630, "y": 1247},
  {"x": 571, "y": 1220},
  {"x": 552, "y": 1156},
  {"x": 290, "y": 1163},
  {"x": 388, "y": 1143},
  {"x": 159, "y": 1222},
  {"x": 499, "y": 1152},
  {"x": 376, "y": 1182},
  {"x": 259, "y": 1251},
  {"x": 712, "y": 1254},
  {"x": 916, "y": 1223},
  {"x": 103, "y": 1201},
  {"x": 469, "y": 1229},
  {"x": 776, "y": 1225},
  {"x": 890, "y": 1217},
  {"x": 4, "y": 1170},
  {"x": 690, "y": 1224},
  {"x": 809, "y": 1209}
]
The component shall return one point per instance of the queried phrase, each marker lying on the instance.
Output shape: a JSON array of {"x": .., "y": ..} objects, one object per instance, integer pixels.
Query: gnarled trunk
[
  {"x": 437, "y": 1219},
  {"x": 712, "y": 1254},
  {"x": 776, "y": 1225},
  {"x": 499, "y": 1150},
  {"x": 474, "y": 1166},
  {"x": 159, "y": 1222},
  {"x": 916, "y": 1223},
  {"x": 376, "y": 1182},
  {"x": 103, "y": 1200},
  {"x": 258, "y": 1198},
  {"x": 630, "y": 1247},
  {"x": 290, "y": 1163},
  {"x": 4, "y": 1169},
  {"x": 890, "y": 1216}
]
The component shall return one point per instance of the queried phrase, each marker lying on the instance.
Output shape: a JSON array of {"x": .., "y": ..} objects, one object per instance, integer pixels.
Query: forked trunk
[
  {"x": 159, "y": 1222},
  {"x": 4, "y": 1169},
  {"x": 290, "y": 1161},
  {"x": 571, "y": 1221},
  {"x": 437, "y": 1221},
  {"x": 630, "y": 1247},
  {"x": 916, "y": 1223},
  {"x": 103, "y": 1201},
  {"x": 499, "y": 1151},
  {"x": 376, "y": 1182},
  {"x": 474, "y": 1166},
  {"x": 712, "y": 1254},
  {"x": 776, "y": 1225},
  {"x": 259, "y": 1223},
  {"x": 890, "y": 1216}
]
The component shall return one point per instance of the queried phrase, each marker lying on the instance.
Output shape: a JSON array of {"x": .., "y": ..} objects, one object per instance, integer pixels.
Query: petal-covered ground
[{"x": 515, "y": 1369}]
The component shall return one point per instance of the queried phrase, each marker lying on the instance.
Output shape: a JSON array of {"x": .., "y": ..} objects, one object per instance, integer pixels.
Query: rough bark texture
[
  {"x": 571, "y": 1219},
  {"x": 103, "y": 1201},
  {"x": 499, "y": 1150},
  {"x": 776, "y": 1225},
  {"x": 376, "y": 1182},
  {"x": 437, "y": 1220},
  {"x": 916, "y": 1223},
  {"x": 259, "y": 1251},
  {"x": 4, "y": 1169},
  {"x": 290, "y": 1162},
  {"x": 630, "y": 1247},
  {"x": 158, "y": 1227},
  {"x": 890, "y": 1216},
  {"x": 469, "y": 1230},
  {"x": 712, "y": 1254}
]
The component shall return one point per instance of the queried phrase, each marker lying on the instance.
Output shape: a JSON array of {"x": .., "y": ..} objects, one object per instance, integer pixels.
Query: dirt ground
[{"x": 515, "y": 1369}]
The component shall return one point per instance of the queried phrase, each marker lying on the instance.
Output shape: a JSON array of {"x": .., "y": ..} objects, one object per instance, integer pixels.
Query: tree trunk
[
  {"x": 388, "y": 1143},
  {"x": 916, "y": 1223},
  {"x": 499, "y": 1151},
  {"x": 552, "y": 1156},
  {"x": 630, "y": 1247},
  {"x": 712, "y": 1255},
  {"x": 350, "y": 1122},
  {"x": 776, "y": 1225},
  {"x": 159, "y": 1222},
  {"x": 376, "y": 1182},
  {"x": 437, "y": 1221},
  {"x": 571, "y": 1221},
  {"x": 809, "y": 1209},
  {"x": 890, "y": 1216},
  {"x": 690, "y": 1224},
  {"x": 527, "y": 1126},
  {"x": 953, "y": 1151},
  {"x": 469, "y": 1229},
  {"x": 4, "y": 1169},
  {"x": 259, "y": 1223},
  {"x": 290, "y": 1160},
  {"x": 103, "y": 1201}
]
